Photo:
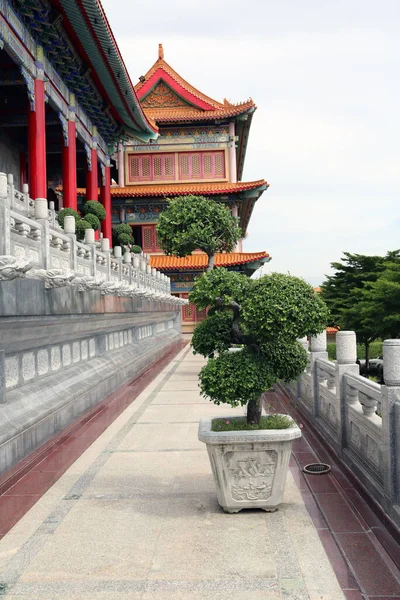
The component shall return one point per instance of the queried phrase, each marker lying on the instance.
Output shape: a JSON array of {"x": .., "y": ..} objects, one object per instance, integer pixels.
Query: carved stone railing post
[
  {"x": 346, "y": 356},
  {"x": 118, "y": 256},
  {"x": 25, "y": 191},
  {"x": 105, "y": 247},
  {"x": 11, "y": 189},
  {"x": 69, "y": 230},
  {"x": 41, "y": 215},
  {"x": 5, "y": 226},
  {"x": 391, "y": 419},
  {"x": 318, "y": 350}
]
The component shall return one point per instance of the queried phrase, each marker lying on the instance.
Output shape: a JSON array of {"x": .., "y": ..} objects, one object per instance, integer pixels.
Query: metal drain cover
[{"x": 317, "y": 469}]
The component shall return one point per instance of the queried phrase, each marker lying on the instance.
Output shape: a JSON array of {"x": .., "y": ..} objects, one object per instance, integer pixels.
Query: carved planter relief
[{"x": 249, "y": 467}]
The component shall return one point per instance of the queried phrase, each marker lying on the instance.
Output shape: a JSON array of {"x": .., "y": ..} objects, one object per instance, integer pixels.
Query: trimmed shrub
[
  {"x": 95, "y": 208},
  {"x": 64, "y": 212},
  {"x": 80, "y": 229},
  {"x": 136, "y": 249},
  {"x": 93, "y": 220}
]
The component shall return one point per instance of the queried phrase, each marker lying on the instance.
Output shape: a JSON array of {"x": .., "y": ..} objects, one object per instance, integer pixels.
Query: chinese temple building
[
  {"x": 200, "y": 150},
  {"x": 66, "y": 100}
]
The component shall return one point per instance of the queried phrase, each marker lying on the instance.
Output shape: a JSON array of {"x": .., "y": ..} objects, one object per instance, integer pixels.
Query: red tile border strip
[
  {"x": 354, "y": 518},
  {"x": 71, "y": 440}
]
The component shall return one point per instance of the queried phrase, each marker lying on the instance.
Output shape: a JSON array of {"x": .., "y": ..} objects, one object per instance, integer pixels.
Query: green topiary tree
[
  {"x": 80, "y": 228},
  {"x": 93, "y": 221},
  {"x": 64, "y": 212},
  {"x": 265, "y": 317},
  {"x": 122, "y": 235},
  {"x": 195, "y": 222},
  {"x": 136, "y": 249},
  {"x": 95, "y": 208}
]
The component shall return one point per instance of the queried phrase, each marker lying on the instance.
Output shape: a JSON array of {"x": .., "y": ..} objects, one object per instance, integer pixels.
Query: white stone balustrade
[
  {"x": 32, "y": 244},
  {"x": 357, "y": 417}
]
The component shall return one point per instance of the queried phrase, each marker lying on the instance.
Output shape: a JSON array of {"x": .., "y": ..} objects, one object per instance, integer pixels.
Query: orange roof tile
[
  {"x": 181, "y": 189},
  {"x": 169, "y": 190},
  {"x": 200, "y": 260},
  {"x": 332, "y": 329}
]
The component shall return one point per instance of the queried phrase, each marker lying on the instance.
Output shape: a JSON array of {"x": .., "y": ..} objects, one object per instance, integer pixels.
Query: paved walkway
[{"x": 136, "y": 517}]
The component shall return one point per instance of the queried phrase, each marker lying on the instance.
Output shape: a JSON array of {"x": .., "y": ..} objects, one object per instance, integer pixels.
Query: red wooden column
[
  {"x": 37, "y": 138},
  {"x": 92, "y": 184},
  {"x": 69, "y": 163},
  {"x": 105, "y": 199}
]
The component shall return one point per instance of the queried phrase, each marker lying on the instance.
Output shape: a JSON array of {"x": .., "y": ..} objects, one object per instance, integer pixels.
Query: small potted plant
[{"x": 249, "y": 455}]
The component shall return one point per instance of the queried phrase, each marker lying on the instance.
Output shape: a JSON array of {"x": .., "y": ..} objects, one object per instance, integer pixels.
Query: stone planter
[{"x": 249, "y": 467}]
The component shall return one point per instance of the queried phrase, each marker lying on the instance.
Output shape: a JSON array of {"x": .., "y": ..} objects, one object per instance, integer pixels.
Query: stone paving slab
[{"x": 136, "y": 517}]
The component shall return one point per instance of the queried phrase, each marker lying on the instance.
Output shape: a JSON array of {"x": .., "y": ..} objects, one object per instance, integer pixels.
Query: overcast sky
[{"x": 325, "y": 77}]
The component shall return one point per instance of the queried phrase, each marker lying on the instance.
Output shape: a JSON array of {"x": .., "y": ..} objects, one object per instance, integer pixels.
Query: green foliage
[
  {"x": 285, "y": 359},
  {"x": 363, "y": 295},
  {"x": 192, "y": 222},
  {"x": 218, "y": 283},
  {"x": 64, "y": 212},
  {"x": 124, "y": 239},
  {"x": 95, "y": 208},
  {"x": 213, "y": 334},
  {"x": 240, "y": 423},
  {"x": 136, "y": 249},
  {"x": 93, "y": 221},
  {"x": 265, "y": 317},
  {"x": 80, "y": 228},
  {"x": 282, "y": 306},
  {"x": 122, "y": 235},
  {"x": 235, "y": 378},
  {"x": 375, "y": 350}
]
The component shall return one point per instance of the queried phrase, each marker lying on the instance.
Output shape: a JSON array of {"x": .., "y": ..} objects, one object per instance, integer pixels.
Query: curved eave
[{"x": 93, "y": 33}]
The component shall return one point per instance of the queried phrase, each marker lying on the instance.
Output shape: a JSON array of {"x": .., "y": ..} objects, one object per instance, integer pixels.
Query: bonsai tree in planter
[
  {"x": 249, "y": 457},
  {"x": 197, "y": 223},
  {"x": 265, "y": 317}
]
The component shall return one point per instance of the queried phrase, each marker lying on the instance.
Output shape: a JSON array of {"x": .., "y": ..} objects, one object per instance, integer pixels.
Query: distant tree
[
  {"x": 194, "y": 222},
  {"x": 348, "y": 294}
]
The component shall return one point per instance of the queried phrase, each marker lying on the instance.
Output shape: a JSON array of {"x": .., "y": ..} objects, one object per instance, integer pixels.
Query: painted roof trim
[
  {"x": 183, "y": 189},
  {"x": 89, "y": 23}
]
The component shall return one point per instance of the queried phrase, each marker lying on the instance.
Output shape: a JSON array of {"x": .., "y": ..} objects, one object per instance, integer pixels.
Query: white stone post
[
  {"x": 41, "y": 215},
  {"x": 318, "y": 350},
  {"x": 105, "y": 245},
  {"x": 89, "y": 236},
  {"x": 118, "y": 255},
  {"x": 5, "y": 226},
  {"x": 10, "y": 182},
  {"x": 391, "y": 419},
  {"x": 346, "y": 356},
  {"x": 25, "y": 191},
  {"x": 69, "y": 230}
]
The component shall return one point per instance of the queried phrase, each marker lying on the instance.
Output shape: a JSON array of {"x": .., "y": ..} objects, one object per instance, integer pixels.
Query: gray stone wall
[{"x": 63, "y": 351}]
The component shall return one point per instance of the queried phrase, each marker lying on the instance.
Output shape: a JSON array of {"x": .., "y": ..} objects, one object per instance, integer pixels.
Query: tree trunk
[
  {"x": 211, "y": 259},
  {"x": 254, "y": 411},
  {"x": 366, "y": 358}
]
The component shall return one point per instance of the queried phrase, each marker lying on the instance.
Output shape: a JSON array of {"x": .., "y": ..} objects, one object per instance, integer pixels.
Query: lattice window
[
  {"x": 184, "y": 166},
  {"x": 202, "y": 165},
  {"x": 157, "y": 167},
  {"x": 208, "y": 165},
  {"x": 189, "y": 312},
  {"x": 201, "y": 314},
  {"x": 169, "y": 166},
  {"x": 133, "y": 168},
  {"x": 151, "y": 167},
  {"x": 146, "y": 168},
  {"x": 196, "y": 165},
  {"x": 219, "y": 164},
  {"x": 156, "y": 241},
  {"x": 148, "y": 238}
]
